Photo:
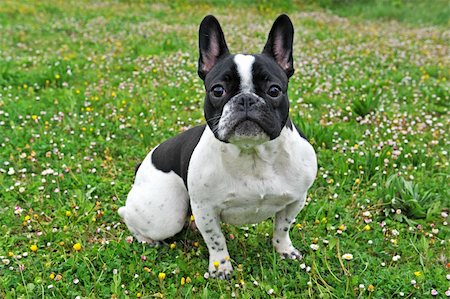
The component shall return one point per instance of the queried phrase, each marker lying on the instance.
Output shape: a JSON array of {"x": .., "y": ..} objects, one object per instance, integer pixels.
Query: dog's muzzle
[{"x": 243, "y": 119}]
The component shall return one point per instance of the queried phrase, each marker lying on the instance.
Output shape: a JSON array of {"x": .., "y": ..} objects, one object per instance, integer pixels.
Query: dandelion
[
  {"x": 161, "y": 276},
  {"x": 58, "y": 277},
  {"x": 173, "y": 246},
  {"x": 77, "y": 246},
  {"x": 216, "y": 264},
  {"x": 51, "y": 276},
  {"x": 68, "y": 213},
  {"x": 366, "y": 227},
  {"x": 33, "y": 248},
  {"x": 347, "y": 256},
  {"x": 371, "y": 288},
  {"x": 183, "y": 281},
  {"x": 417, "y": 273}
]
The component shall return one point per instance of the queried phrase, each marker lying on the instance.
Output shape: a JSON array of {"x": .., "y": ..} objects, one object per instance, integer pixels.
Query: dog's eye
[
  {"x": 218, "y": 91},
  {"x": 274, "y": 91}
]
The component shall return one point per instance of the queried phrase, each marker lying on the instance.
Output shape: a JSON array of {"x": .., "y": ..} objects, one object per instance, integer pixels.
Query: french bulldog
[{"x": 248, "y": 163}]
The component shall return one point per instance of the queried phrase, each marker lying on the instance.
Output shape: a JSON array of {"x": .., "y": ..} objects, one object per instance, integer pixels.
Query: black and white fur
[{"x": 247, "y": 164}]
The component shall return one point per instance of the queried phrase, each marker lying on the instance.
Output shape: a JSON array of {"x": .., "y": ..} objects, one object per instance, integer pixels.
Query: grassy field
[{"x": 88, "y": 88}]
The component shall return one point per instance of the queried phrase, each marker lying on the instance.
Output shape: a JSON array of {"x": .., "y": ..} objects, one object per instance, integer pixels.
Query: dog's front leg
[
  {"x": 208, "y": 223},
  {"x": 283, "y": 221}
]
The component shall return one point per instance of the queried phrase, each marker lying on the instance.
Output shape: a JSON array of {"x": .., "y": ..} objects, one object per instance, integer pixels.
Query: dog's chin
[{"x": 248, "y": 134}]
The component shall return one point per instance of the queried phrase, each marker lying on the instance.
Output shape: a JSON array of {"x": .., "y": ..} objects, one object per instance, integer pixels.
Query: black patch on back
[{"x": 175, "y": 153}]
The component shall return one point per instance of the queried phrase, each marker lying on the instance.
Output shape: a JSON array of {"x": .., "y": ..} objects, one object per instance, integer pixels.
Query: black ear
[
  {"x": 279, "y": 44},
  {"x": 212, "y": 45}
]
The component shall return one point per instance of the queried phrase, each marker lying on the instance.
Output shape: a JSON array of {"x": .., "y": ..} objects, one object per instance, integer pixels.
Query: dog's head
[{"x": 246, "y": 95}]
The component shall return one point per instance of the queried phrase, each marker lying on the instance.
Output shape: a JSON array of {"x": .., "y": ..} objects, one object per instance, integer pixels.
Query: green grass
[
  {"x": 413, "y": 12},
  {"x": 87, "y": 89}
]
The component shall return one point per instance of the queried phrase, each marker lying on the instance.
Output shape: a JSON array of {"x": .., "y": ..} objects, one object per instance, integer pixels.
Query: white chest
[{"x": 248, "y": 186}]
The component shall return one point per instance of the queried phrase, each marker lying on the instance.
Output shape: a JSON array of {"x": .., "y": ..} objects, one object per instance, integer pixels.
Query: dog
[{"x": 248, "y": 163}]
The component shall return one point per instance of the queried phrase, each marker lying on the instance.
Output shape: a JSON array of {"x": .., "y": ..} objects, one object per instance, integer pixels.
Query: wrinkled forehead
[{"x": 244, "y": 69}]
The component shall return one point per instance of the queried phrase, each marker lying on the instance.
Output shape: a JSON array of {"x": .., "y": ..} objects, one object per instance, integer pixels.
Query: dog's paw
[
  {"x": 292, "y": 254},
  {"x": 221, "y": 269}
]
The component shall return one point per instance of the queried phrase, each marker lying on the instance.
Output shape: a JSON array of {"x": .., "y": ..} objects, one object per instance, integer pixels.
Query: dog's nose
[{"x": 246, "y": 102}]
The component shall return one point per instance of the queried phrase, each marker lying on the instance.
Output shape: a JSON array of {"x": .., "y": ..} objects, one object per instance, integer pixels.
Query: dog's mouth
[{"x": 248, "y": 133}]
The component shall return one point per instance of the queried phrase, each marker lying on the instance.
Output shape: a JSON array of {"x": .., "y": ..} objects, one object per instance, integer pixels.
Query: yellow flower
[
  {"x": 161, "y": 276},
  {"x": 68, "y": 213},
  {"x": 371, "y": 288},
  {"x": 357, "y": 181},
  {"x": 183, "y": 281},
  {"x": 27, "y": 218},
  {"x": 342, "y": 227},
  {"x": 188, "y": 279},
  {"x": 138, "y": 295},
  {"x": 52, "y": 276},
  {"x": 216, "y": 264},
  {"x": 147, "y": 269},
  {"x": 173, "y": 246},
  {"x": 77, "y": 247},
  {"x": 192, "y": 218},
  {"x": 366, "y": 227},
  {"x": 33, "y": 248},
  {"x": 417, "y": 273},
  {"x": 57, "y": 76}
]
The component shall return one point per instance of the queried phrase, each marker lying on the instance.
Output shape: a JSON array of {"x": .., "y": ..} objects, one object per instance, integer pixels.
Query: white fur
[
  {"x": 248, "y": 185},
  {"x": 244, "y": 64},
  {"x": 157, "y": 205}
]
